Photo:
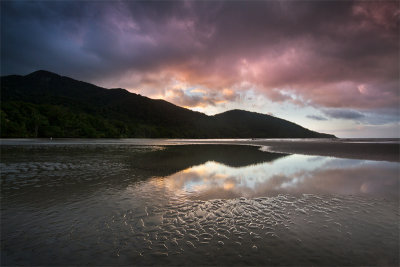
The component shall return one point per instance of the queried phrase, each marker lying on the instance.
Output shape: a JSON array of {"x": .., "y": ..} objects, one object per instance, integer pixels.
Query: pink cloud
[{"x": 333, "y": 54}]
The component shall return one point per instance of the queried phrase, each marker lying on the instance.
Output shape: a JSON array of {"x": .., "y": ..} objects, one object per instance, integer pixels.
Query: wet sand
[
  {"x": 365, "y": 149},
  {"x": 144, "y": 202},
  {"x": 340, "y": 148},
  {"x": 125, "y": 202}
]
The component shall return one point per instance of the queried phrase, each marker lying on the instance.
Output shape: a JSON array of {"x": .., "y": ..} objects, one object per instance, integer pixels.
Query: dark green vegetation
[{"x": 44, "y": 104}]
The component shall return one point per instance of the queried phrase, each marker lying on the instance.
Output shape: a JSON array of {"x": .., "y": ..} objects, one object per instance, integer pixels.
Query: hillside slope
[{"x": 45, "y": 104}]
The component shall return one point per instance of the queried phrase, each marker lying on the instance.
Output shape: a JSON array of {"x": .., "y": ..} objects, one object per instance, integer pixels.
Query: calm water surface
[{"x": 120, "y": 204}]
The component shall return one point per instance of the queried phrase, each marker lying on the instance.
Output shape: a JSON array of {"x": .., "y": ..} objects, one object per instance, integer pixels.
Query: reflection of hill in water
[
  {"x": 62, "y": 172},
  {"x": 177, "y": 158}
]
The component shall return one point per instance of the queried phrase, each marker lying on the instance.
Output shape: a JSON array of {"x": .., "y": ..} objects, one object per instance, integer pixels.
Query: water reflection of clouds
[{"x": 295, "y": 174}]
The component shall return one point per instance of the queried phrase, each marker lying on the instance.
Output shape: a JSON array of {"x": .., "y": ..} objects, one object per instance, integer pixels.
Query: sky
[{"x": 330, "y": 66}]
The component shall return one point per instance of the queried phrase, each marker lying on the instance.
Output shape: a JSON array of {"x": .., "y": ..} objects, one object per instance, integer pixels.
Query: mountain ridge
[{"x": 46, "y": 104}]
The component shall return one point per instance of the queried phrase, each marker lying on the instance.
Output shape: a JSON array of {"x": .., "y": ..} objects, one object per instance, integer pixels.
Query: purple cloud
[{"x": 335, "y": 54}]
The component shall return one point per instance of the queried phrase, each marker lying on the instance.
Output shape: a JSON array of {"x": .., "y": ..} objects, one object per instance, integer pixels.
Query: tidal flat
[{"x": 207, "y": 202}]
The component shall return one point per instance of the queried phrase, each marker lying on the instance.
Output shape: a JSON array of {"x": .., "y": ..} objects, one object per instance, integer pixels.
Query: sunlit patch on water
[
  {"x": 201, "y": 205},
  {"x": 294, "y": 174}
]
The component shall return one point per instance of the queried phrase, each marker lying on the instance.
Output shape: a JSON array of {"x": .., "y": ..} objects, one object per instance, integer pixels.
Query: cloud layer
[{"x": 333, "y": 54}]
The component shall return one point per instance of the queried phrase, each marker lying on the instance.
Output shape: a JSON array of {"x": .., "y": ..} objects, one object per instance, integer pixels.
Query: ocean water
[{"x": 145, "y": 203}]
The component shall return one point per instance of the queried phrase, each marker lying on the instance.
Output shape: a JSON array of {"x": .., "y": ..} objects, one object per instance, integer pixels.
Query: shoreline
[
  {"x": 364, "y": 149},
  {"x": 378, "y": 151}
]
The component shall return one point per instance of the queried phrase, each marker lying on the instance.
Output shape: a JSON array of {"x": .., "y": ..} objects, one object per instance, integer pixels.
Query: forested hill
[{"x": 44, "y": 104}]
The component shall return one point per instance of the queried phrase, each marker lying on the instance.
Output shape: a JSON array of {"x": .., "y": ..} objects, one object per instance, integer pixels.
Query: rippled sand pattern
[
  {"x": 279, "y": 230},
  {"x": 96, "y": 207}
]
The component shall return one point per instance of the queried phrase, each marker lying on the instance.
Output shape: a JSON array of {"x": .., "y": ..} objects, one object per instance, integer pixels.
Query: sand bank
[
  {"x": 341, "y": 148},
  {"x": 368, "y": 149}
]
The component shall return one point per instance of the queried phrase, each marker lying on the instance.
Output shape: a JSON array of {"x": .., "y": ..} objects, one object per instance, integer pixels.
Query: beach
[{"x": 203, "y": 202}]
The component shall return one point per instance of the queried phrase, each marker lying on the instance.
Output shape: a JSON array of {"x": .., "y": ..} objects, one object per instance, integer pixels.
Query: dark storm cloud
[
  {"x": 370, "y": 117},
  {"x": 317, "y": 118},
  {"x": 343, "y": 114},
  {"x": 338, "y": 54}
]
